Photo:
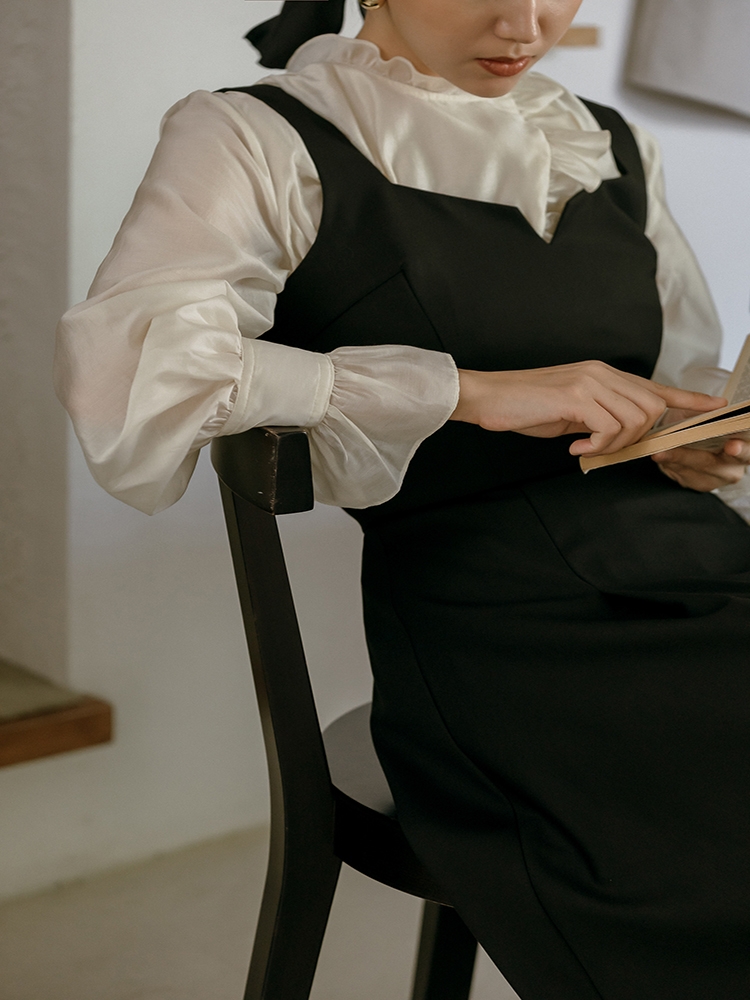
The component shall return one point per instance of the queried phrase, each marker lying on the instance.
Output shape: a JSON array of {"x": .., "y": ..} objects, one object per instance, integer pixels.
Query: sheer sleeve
[
  {"x": 164, "y": 355},
  {"x": 692, "y": 331}
]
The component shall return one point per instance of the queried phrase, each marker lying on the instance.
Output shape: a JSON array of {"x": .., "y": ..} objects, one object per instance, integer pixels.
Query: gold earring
[{"x": 370, "y": 4}]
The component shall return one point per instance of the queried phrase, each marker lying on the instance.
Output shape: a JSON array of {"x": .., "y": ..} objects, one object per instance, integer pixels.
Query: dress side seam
[{"x": 493, "y": 786}]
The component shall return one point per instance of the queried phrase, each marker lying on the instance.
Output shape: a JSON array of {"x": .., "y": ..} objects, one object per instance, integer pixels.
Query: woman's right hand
[{"x": 613, "y": 407}]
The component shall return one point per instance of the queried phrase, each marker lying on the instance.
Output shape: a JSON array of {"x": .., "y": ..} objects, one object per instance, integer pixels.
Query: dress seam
[
  {"x": 554, "y": 544},
  {"x": 473, "y": 763},
  {"x": 422, "y": 309},
  {"x": 527, "y": 869}
]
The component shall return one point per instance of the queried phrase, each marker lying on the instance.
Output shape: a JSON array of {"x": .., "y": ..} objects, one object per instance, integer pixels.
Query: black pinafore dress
[{"x": 562, "y": 692}]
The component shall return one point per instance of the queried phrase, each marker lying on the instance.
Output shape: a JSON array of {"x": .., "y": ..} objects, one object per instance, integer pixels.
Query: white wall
[{"x": 154, "y": 621}]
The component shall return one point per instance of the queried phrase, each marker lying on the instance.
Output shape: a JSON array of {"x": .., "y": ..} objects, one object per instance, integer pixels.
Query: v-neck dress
[{"x": 562, "y": 694}]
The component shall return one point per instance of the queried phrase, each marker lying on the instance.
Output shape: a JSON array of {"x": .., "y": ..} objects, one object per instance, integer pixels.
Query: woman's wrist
[{"x": 469, "y": 390}]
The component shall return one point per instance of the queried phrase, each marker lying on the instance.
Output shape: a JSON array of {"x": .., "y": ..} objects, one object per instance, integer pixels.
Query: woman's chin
[
  {"x": 475, "y": 78},
  {"x": 482, "y": 84}
]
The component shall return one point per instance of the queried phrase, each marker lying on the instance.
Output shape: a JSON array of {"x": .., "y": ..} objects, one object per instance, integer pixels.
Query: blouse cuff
[
  {"x": 385, "y": 401},
  {"x": 281, "y": 386}
]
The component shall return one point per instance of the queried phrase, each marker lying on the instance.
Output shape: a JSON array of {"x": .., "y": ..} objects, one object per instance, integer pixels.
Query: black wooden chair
[{"x": 329, "y": 798}]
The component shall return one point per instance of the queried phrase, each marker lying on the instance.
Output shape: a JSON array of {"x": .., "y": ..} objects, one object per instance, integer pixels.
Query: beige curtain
[{"x": 694, "y": 48}]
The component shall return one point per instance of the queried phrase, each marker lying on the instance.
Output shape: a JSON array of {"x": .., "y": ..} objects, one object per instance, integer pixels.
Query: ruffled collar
[
  {"x": 532, "y": 95},
  {"x": 365, "y": 56},
  {"x": 563, "y": 142}
]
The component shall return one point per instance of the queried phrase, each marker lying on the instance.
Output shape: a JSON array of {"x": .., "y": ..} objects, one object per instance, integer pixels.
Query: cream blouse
[{"x": 164, "y": 355}]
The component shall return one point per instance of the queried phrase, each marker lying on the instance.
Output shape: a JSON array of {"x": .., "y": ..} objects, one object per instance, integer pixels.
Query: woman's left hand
[{"x": 706, "y": 470}]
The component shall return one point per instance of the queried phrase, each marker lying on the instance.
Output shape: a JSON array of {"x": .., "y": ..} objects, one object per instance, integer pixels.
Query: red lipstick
[{"x": 505, "y": 67}]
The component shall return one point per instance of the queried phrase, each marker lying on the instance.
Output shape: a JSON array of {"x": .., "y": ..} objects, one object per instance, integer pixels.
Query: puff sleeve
[{"x": 163, "y": 355}]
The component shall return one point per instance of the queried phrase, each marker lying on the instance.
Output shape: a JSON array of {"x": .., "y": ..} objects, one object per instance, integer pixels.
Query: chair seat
[
  {"x": 367, "y": 835},
  {"x": 353, "y": 763}
]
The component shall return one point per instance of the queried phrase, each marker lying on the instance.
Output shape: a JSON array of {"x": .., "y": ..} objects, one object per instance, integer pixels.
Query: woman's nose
[{"x": 518, "y": 21}]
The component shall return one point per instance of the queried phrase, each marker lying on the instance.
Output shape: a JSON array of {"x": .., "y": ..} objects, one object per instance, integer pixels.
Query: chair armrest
[{"x": 268, "y": 466}]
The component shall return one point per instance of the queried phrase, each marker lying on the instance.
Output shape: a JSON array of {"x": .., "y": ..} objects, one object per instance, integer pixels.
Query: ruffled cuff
[{"x": 384, "y": 402}]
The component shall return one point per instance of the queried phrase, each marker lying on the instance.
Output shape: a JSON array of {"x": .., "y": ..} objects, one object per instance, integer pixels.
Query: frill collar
[
  {"x": 363, "y": 55},
  {"x": 579, "y": 151},
  {"x": 531, "y": 95}
]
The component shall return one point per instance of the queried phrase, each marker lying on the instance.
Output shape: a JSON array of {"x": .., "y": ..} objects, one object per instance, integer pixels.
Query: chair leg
[
  {"x": 446, "y": 957},
  {"x": 291, "y": 926}
]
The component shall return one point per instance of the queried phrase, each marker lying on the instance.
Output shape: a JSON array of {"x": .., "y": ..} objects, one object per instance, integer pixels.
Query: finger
[
  {"x": 685, "y": 400},
  {"x": 638, "y": 390},
  {"x": 674, "y": 398},
  {"x": 614, "y": 420},
  {"x": 693, "y": 458},
  {"x": 717, "y": 463},
  {"x": 738, "y": 450},
  {"x": 630, "y": 402},
  {"x": 602, "y": 427},
  {"x": 699, "y": 483},
  {"x": 679, "y": 399},
  {"x": 692, "y": 478},
  {"x": 706, "y": 472},
  {"x": 633, "y": 419},
  {"x": 651, "y": 406}
]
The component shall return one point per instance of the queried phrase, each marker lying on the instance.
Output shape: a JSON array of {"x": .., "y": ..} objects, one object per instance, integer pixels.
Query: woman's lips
[{"x": 505, "y": 67}]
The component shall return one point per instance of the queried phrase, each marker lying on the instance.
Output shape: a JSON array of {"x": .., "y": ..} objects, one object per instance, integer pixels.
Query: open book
[{"x": 707, "y": 430}]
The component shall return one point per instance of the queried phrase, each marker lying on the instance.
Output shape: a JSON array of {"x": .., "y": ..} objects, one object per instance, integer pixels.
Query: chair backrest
[{"x": 265, "y": 472}]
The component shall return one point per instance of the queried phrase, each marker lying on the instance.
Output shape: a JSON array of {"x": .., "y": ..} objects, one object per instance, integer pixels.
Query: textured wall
[{"x": 34, "y": 43}]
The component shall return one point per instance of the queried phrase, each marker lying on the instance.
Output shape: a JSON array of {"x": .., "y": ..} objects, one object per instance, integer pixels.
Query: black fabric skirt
[{"x": 562, "y": 707}]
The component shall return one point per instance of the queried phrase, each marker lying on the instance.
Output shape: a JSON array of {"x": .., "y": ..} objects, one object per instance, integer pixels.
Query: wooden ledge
[
  {"x": 581, "y": 36},
  {"x": 86, "y": 723}
]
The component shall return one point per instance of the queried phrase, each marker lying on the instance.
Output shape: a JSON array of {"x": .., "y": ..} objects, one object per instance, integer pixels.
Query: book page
[
  {"x": 722, "y": 424},
  {"x": 736, "y": 392},
  {"x": 699, "y": 420},
  {"x": 737, "y": 389}
]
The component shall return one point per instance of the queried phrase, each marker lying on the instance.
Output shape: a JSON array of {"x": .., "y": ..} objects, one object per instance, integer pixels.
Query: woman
[{"x": 464, "y": 278}]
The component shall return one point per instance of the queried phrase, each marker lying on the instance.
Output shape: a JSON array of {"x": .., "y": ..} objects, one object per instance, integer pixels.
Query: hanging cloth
[
  {"x": 694, "y": 48},
  {"x": 300, "y": 20}
]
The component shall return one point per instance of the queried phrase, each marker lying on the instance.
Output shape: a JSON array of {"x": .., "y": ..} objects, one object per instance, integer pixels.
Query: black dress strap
[
  {"x": 633, "y": 195},
  {"x": 327, "y": 145}
]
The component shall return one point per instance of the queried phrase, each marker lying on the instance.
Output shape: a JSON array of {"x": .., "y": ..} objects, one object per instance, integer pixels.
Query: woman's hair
[{"x": 299, "y": 21}]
